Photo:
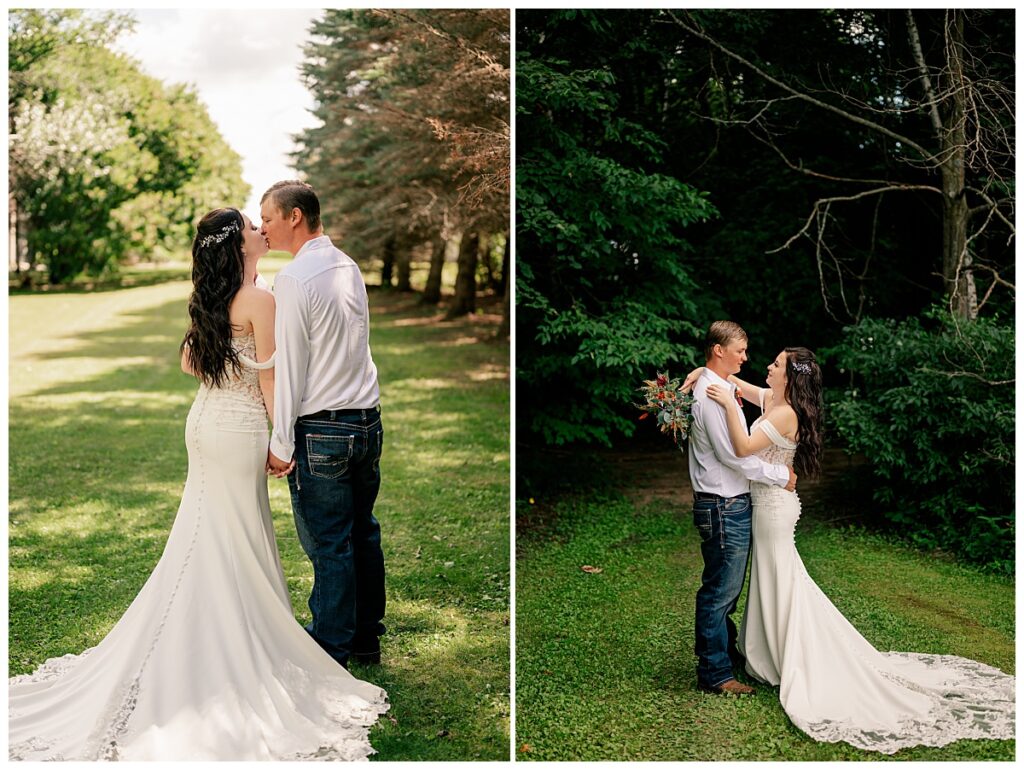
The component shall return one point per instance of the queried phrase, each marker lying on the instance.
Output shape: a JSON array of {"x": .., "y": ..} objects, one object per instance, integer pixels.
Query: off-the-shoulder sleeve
[
  {"x": 773, "y": 433},
  {"x": 268, "y": 364}
]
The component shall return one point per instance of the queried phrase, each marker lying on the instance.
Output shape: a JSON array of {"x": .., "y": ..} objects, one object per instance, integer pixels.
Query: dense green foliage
[
  {"x": 665, "y": 111},
  {"x": 605, "y": 668},
  {"x": 603, "y": 291},
  {"x": 98, "y": 460},
  {"x": 932, "y": 404},
  {"x": 106, "y": 162},
  {"x": 638, "y": 134}
]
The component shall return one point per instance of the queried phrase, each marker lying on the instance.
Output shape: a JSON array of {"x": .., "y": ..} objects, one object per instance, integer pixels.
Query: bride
[
  {"x": 208, "y": 662},
  {"x": 832, "y": 683}
]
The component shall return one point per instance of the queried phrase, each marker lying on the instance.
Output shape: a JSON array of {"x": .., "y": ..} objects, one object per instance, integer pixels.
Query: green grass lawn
[
  {"x": 604, "y": 662},
  {"x": 97, "y": 464}
]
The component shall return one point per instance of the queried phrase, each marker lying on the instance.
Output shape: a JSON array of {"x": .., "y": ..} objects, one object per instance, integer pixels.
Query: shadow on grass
[
  {"x": 453, "y": 647},
  {"x": 150, "y": 337},
  {"x": 98, "y": 462},
  {"x": 132, "y": 279}
]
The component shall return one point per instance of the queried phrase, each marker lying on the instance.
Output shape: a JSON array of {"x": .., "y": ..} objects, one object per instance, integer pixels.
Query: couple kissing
[{"x": 208, "y": 662}]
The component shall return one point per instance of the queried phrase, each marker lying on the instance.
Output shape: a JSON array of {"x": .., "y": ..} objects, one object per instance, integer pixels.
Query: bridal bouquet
[{"x": 670, "y": 408}]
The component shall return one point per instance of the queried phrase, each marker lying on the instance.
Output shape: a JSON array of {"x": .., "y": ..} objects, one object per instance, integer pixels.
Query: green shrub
[
  {"x": 604, "y": 288},
  {"x": 931, "y": 404}
]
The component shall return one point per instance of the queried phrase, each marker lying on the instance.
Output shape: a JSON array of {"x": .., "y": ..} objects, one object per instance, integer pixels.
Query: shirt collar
[
  {"x": 716, "y": 379},
  {"x": 314, "y": 244}
]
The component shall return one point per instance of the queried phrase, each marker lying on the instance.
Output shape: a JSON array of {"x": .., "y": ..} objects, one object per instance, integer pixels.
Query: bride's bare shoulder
[
  {"x": 783, "y": 417},
  {"x": 251, "y": 304},
  {"x": 254, "y": 295}
]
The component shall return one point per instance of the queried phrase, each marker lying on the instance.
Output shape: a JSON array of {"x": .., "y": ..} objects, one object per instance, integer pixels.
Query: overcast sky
[{"x": 244, "y": 66}]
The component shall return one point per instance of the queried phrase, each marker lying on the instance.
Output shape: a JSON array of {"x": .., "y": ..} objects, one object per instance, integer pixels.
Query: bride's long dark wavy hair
[
  {"x": 803, "y": 392},
  {"x": 217, "y": 271}
]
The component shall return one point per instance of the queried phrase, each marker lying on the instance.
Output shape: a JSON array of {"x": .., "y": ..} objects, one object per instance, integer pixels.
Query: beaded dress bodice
[
  {"x": 781, "y": 451},
  {"x": 239, "y": 396}
]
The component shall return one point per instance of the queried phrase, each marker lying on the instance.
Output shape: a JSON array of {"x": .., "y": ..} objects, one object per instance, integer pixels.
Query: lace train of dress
[
  {"x": 833, "y": 684},
  {"x": 208, "y": 662}
]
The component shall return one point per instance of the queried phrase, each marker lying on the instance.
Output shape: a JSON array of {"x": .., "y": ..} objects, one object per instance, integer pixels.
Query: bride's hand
[
  {"x": 691, "y": 380},
  {"x": 719, "y": 395}
]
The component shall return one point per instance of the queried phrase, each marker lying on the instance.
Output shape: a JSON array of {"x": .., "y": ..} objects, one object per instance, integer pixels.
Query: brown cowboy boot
[{"x": 730, "y": 687}]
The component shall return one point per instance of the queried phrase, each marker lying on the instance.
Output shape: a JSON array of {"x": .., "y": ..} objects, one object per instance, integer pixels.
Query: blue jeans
[
  {"x": 333, "y": 488},
  {"x": 724, "y": 527}
]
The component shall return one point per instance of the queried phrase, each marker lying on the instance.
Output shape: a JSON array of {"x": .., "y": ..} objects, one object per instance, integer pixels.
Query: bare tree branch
[
  {"x": 768, "y": 103},
  {"x": 994, "y": 205},
  {"x": 997, "y": 280},
  {"x": 915, "y": 46},
  {"x": 827, "y": 201},
  {"x": 996, "y": 277},
  {"x": 972, "y": 375},
  {"x": 925, "y": 154},
  {"x": 817, "y": 174}
]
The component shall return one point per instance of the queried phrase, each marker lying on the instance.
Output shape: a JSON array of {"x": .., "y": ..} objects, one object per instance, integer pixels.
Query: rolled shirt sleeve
[
  {"x": 292, "y": 339},
  {"x": 753, "y": 468}
]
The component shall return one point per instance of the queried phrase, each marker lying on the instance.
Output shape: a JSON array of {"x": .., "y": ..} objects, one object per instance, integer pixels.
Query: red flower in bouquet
[{"x": 671, "y": 408}]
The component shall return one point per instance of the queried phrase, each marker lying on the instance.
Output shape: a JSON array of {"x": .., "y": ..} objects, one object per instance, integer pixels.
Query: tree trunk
[
  {"x": 387, "y": 270},
  {"x": 403, "y": 262},
  {"x": 432, "y": 292},
  {"x": 506, "y": 310},
  {"x": 12, "y": 235},
  {"x": 957, "y": 276},
  {"x": 465, "y": 282},
  {"x": 488, "y": 262},
  {"x": 503, "y": 278}
]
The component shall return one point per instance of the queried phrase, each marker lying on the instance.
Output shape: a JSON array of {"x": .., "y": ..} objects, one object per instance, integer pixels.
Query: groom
[
  {"x": 721, "y": 511},
  {"x": 327, "y": 435}
]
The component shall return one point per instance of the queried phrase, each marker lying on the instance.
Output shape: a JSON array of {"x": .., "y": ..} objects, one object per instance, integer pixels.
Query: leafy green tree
[
  {"x": 106, "y": 162},
  {"x": 773, "y": 115},
  {"x": 604, "y": 293},
  {"x": 34, "y": 35}
]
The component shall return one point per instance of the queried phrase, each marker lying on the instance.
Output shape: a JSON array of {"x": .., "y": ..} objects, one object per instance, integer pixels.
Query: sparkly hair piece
[
  {"x": 801, "y": 367},
  {"x": 218, "y": 237}
]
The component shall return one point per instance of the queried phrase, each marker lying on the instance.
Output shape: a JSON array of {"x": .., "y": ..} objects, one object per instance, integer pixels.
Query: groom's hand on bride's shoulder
[
  {"x": 278, "y": 467},
  {"x": 791, "y": 486}
]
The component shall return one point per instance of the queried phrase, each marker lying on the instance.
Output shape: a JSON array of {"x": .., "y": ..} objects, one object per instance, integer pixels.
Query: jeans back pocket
[{"x": 328, "y": 455}]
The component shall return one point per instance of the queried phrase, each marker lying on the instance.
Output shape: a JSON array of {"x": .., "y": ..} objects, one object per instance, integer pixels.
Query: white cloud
[{"x": 244, "y": 65}]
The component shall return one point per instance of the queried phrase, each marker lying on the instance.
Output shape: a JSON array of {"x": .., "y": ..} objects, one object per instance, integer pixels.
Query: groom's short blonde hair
[
  {"x": 722, "y": 333},
  {"x": 293, "y": 194}
]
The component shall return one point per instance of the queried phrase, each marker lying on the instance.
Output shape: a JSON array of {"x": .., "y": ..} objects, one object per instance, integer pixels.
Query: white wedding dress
[
  {"x": 832, "y": 683},
  {"x": 208, "y": 662}
]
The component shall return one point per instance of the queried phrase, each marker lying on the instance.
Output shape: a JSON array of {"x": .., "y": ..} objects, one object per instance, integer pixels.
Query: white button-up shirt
[
  {"x": 322, "y": 332},
  {"x": 714, "y": 466}
]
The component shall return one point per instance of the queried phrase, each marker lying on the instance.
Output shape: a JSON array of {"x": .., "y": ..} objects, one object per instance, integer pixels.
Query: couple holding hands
[{"x": 208, "y": 662}]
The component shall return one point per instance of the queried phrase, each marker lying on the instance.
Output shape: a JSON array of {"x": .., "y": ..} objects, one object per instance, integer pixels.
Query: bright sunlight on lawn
[{"x": 97, "y": 464}]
